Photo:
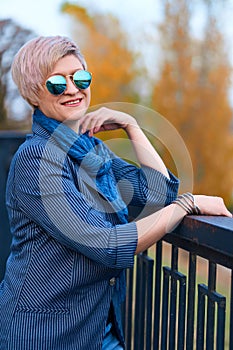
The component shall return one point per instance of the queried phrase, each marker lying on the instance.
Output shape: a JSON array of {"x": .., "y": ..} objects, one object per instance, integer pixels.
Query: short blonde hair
[{"x": 36, "y": 59}]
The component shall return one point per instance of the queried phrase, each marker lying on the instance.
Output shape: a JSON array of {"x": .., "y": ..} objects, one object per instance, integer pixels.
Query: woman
[{"x": 69, "y": 200}]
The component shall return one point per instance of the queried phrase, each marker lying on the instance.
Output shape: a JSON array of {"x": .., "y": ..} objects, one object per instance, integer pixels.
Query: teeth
[{"x": 73, "y": 102}]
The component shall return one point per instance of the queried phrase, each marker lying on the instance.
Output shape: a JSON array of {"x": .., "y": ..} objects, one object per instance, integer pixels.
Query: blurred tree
[
  {"x": 193, "y": 94},
  {"x": 14, "y": 111},
  {"x": 104, "y": 44}
]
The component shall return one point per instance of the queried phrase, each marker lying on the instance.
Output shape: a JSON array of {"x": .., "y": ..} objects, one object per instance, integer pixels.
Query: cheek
[
  {"x": 47, "y": 106},
  {"x": 47, "y": 100}
]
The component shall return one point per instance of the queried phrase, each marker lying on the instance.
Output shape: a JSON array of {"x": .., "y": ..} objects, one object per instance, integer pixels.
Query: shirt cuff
[
  {"x": 161, "y": 189},
  {"x": 126, "y": 240}
]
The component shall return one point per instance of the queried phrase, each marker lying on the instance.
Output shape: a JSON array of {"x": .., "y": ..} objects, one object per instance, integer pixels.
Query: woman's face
[{"x": 73, "y": 103}]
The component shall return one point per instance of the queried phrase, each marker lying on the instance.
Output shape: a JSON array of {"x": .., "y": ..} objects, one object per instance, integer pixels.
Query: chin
[{"x": 75, "y": 115}]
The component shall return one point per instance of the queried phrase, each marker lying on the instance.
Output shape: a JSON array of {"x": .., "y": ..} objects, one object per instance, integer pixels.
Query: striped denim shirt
[{"x": 69, "y": 251}]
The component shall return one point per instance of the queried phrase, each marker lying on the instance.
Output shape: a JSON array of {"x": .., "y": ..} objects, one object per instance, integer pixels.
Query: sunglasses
[{"x": 56, "y": 84}]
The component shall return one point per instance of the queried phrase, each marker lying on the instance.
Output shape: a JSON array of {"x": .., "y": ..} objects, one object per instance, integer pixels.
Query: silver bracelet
[{"x": 187, "y": 202}]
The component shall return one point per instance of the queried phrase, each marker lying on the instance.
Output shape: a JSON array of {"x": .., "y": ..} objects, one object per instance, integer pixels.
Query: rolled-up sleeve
[
  {"x": 146, "y": 189},
  {"x": 47, "y": 194}
]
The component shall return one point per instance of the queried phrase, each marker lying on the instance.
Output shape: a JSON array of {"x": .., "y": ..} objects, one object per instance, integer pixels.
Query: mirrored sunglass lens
[
  {"x": 56, "y": 84},
  {"x": 82, "y": 79}
]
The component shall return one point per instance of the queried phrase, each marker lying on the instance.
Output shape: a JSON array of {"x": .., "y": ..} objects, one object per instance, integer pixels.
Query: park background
[{"x": 173, "y": 57}]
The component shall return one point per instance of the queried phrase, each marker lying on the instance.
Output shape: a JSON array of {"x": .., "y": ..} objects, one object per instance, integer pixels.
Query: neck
[{"x": 73, "y": 124}]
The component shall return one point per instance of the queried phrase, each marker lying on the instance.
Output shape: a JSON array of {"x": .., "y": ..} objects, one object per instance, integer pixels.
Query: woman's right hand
[
  {"x": 211, "y": 205},
  {"x": 104, "y": 119}
]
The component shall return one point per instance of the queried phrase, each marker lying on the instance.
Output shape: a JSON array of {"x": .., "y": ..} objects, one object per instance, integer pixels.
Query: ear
[{"x": 34, "y": 103}]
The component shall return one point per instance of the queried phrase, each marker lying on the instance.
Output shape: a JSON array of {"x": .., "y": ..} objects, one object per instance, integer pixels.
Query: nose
[{"x": 71, "y": 89}]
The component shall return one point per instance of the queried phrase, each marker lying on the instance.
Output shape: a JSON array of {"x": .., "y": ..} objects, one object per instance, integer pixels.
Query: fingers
[
  {"x": 92, "y": 122},
  {"x": 104, "y": 119},
  {"x": 211, "y": 205},
  {"x": 227, "y": 213}
]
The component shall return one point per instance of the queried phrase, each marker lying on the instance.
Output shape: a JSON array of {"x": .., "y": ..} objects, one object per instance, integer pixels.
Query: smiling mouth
[{"x": 74, "y": 102}]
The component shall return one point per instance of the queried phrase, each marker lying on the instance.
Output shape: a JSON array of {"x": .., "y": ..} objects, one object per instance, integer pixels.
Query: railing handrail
[{"x": 205, "y": 234}]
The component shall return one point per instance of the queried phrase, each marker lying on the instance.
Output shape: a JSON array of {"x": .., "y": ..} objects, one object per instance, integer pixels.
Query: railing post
[
  {"x": 191, "y": 300},
  {"x": 157, "y": 300},
  {"x": 143, "y": 303}
]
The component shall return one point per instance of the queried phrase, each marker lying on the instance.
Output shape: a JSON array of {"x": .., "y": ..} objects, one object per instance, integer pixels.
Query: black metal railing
[{"x": 167, "y": 306}]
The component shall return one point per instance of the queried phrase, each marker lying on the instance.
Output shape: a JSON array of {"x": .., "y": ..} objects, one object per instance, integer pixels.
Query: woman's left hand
[
  {"x": 211, "y": 205},
  {"x": 105, "y": 119}
]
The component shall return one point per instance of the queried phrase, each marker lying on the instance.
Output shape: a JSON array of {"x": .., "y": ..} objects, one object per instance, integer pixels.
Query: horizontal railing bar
[
  {"x": 191, "y": 246},
  {"x": 208, "y": 231}
]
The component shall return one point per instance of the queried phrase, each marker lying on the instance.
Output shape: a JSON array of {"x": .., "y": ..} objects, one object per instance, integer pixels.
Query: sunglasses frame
[{"x": 71, "y": 76}]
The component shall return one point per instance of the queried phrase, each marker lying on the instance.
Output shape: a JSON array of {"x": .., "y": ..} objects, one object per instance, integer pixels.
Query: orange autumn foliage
[
  {"x": 104, "y": 45},
  {"x": 192, "y": 93}
]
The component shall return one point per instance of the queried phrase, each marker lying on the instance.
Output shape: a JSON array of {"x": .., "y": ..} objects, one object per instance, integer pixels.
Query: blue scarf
[{"x": 91, "y": 154}]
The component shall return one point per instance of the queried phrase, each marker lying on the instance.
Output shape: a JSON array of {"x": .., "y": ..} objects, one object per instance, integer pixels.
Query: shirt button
[{"x": 112, "y": 281}]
